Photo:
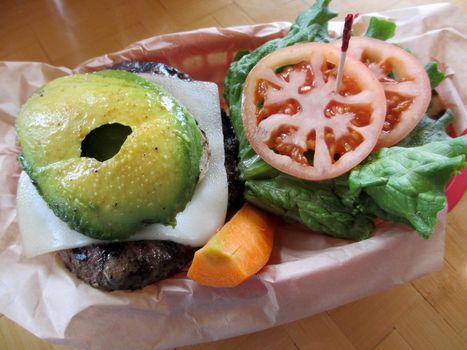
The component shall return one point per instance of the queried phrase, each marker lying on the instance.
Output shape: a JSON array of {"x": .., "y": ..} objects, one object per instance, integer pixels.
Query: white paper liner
[{"x": 308, "y": 273}]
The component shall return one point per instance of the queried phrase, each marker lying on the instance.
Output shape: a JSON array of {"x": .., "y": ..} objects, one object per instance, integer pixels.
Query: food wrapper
[{"x": 308, "y": 273}]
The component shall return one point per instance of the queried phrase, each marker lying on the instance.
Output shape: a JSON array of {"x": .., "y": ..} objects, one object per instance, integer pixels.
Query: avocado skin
[{"x": 149, "y": 180}]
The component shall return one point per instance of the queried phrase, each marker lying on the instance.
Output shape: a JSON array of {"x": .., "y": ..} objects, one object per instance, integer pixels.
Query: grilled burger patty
[
  {"x": 134, "y": 265},
  {"x": 127, "y": 265}
]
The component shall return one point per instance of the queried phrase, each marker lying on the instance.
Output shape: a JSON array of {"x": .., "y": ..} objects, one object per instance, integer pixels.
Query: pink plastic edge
[{"x": 457, "y": 186}]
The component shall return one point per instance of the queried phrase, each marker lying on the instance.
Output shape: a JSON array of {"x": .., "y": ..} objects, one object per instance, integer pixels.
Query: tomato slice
[
  {"x": 297, "y": 123},
  {"x": 406, "y": 84}
]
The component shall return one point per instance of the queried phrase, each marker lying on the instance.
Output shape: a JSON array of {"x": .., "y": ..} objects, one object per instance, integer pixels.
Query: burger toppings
[
  {"x": 43, "y": 232},
  {"x": 405, "y": 83},
  {"x": 110, "y": 199},
  {"x": 297, "y": 123},
  {"x": 398, "y": 183}
]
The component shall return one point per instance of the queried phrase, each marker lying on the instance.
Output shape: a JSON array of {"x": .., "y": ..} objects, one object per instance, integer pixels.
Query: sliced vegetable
[
  {"x": 312, "y": 25},
  {"x": 236, "y": 252},
  {"x": 405, "y": 82},
  {"x": 297, "y": 123}
]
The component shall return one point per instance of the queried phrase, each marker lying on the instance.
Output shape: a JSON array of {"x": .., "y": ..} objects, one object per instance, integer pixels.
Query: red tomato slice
[
  {"x": 406, "y": 84},
  {"x": 297, "y": 123}
]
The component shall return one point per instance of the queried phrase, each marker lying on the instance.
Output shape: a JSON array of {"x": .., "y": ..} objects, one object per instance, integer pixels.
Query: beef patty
[{"x": 134, "y": 265}]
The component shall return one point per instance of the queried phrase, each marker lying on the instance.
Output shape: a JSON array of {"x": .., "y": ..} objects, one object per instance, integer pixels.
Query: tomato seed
[
  {"x": 386, "y": 126},
  {"x": 396, "y": 105},
  {"x": 311, "y": 144}
]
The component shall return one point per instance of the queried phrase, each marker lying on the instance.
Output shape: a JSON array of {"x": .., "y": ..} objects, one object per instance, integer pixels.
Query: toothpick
[{"x": 345, "y": 45}]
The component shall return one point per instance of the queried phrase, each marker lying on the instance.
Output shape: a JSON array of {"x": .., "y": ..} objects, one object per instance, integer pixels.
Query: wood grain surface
[{"x": 429, "y": 313}]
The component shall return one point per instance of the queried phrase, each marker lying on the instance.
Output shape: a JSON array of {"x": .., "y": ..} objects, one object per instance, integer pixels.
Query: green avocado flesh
[{"x": 140, "y": 161}]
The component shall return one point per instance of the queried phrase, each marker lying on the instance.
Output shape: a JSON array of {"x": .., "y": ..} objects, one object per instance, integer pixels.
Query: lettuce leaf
[
  {"x": 410, "y": 183},
  {"x": 436, "y": 76},
  {"x": 380, "y": 28},
  {"x": 315, "y": 204},
  {"x": 428, "y": 130}
]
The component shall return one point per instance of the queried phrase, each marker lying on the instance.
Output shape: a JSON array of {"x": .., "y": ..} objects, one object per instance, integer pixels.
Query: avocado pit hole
[{"x": 105, "y": 141}]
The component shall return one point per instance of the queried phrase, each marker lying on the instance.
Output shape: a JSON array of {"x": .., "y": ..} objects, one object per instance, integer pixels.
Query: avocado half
[{"x": 99, "y": 189}]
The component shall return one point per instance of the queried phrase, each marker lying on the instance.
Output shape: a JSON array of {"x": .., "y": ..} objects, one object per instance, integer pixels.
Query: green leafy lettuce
[
  {"x": 428, "y": 130},
  {"x": 404, "y": 183},
  {"x": 409, "y": 182},
  {"x": 436, "y": 76},
  {"x": 380, "y": 28},
  {"x": 318, "y": 205}
]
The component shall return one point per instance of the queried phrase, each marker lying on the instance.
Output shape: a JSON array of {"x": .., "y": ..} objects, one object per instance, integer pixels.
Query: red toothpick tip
[
  {"x": 347, "y": 29},
  {"x": 345, "y": 45}
]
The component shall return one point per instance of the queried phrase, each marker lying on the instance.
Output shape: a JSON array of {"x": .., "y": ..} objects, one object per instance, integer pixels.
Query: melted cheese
[{"x": 42, "y": 232}]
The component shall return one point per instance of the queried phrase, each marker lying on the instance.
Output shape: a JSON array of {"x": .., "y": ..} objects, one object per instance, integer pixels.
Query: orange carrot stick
[{"x": 236, "y": 252}]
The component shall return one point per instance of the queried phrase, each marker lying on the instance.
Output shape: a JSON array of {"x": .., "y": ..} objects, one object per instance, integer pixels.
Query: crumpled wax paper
[{"x": 307, "y": 274}]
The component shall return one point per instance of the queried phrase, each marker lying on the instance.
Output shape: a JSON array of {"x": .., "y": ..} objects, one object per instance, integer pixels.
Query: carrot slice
[{"x": 236, "y": 252}]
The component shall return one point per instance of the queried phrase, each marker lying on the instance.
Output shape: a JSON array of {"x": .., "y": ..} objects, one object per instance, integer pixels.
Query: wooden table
[{"x": 429, "y": 313}]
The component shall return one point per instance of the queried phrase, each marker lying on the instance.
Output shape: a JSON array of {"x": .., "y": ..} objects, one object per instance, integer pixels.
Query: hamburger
[
  {"x": 343, "y": 206},
  {"x": 132, "y": 265}
]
